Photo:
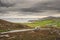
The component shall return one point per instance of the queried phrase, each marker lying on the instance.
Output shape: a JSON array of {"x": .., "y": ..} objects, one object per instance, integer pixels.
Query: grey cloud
[
  {"x": 29, "y": 7},
  {"x": 14, "y": 5},
  {"x": 40, "y": 7},
  {"x": 6, "y": 3},
  {"x": 30, "y": 10}
]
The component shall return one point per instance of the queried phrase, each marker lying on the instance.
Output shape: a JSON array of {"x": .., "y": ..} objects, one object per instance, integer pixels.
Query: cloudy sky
[{"x": 29, "y": 8}]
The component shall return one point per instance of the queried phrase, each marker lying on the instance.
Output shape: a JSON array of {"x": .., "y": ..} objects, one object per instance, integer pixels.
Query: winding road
[{"x": 23, "y": 30}]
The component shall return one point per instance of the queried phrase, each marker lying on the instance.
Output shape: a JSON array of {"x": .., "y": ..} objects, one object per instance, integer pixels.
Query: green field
[{"x": 45, "y": 22}]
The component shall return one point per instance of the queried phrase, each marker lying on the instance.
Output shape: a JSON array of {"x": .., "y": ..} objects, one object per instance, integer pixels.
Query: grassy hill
[
  {"x": 48, "y": 21},
  {"x": 34, "y": 35},
  {"x": 5, "y": 26},
  {"x": 52, "y": 34}
]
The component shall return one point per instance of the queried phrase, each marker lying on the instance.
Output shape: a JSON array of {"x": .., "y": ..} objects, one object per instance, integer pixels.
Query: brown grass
[{"x": 34, "y": 35}]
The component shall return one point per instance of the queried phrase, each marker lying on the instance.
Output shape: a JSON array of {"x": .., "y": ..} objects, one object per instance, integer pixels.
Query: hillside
[
  {"x": 48, "y": 21},
  {"x": 53, "y": 34},
  {"x": 5, "y": 25}
]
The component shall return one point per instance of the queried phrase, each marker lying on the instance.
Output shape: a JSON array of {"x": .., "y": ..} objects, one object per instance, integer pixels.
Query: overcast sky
[{"x": 29, "y": 8}]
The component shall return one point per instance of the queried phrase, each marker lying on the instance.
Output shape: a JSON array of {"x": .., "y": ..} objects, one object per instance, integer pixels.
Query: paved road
[
  {"x": 22, "y": 30},
  {"x": 12, "y": 31}
]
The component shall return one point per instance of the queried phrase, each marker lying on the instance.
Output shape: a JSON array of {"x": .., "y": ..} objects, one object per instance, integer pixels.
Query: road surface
[{"x": 23, "y": 30}]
